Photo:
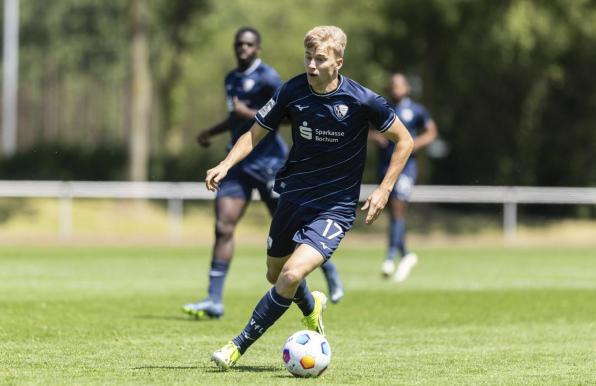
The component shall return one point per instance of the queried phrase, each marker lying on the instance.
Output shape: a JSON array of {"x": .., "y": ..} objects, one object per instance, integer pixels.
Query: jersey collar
[
  {"x": 405, "y": 102},
  {"x": 341, "y": 81},
  {"x": 252, "y": 68}
]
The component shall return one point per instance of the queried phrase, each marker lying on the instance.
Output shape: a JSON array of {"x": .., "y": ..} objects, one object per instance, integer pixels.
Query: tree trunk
[{"x": 140, "y": 93}]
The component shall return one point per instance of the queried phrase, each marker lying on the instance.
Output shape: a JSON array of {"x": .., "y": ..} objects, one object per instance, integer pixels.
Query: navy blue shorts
[
  {"x": 322, "y": 229},
  {"x": 239, "y": 183}
]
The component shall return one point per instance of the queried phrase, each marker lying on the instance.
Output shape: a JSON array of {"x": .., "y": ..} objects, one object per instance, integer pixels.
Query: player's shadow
[
  {"x": 245, "y": 369},
  {"x": 258, "y": 369},
  {"x": 166, "y": 367}
]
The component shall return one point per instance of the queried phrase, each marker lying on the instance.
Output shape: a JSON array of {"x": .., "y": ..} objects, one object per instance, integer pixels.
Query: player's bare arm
[
  {"x": 240, "y": 151},
  {"x": 430, "y": 134},
  {"x": 204, "y": 136},
  {"x": 403, "y": 148},
  {"x": 241, "y": 109}
]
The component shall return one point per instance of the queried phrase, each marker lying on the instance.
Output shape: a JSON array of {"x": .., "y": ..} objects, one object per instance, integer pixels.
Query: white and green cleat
[
  {"x": 205, "y": 309},
  {"x": 314, "y": 321},
  {"x": 227, "y": 356}
]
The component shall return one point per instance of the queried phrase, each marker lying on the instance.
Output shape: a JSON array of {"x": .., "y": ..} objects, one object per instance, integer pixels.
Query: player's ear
[{"x": 340, "y": 62}]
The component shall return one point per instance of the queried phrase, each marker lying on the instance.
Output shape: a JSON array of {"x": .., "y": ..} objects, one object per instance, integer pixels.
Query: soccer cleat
[
  {"x": 336, "y": 295},
  {"x": 336, "y": 289},
  {"x": 205, "y": 309},
  {"x": 227, "y": 356},
  {"x": 314, "y": 321},
  {"x": 388, "y": 268},
  {"x": 405, "y": 267}
]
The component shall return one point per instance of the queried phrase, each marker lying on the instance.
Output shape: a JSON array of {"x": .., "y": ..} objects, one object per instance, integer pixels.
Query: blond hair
[{"x": 327, "y": 36}]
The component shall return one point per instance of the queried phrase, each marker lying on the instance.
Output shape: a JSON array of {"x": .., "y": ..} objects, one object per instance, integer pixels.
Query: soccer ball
[{"x": 306, "y": 354}]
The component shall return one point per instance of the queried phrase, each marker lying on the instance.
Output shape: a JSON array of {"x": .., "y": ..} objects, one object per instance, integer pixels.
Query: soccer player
[
  {"x": 248, "y": 87},
  {"x": 319, "y": 184},
  {"x": 424, "y": 130}
]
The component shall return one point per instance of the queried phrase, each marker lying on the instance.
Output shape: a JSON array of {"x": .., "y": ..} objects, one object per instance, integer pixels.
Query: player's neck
[
  {"x": 329, "y": 87},
  {"x": 243, "y": 66}
]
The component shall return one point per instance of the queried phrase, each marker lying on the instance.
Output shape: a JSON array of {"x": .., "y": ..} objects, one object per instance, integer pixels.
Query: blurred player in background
[
  {"x": 319, "y": 184},
  {"x": 248, "y": 87},
  {"x": 424, "y": 130}
]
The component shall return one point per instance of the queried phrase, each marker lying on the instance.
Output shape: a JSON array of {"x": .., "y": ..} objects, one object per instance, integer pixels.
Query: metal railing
[{"x": 176, "y": 192}]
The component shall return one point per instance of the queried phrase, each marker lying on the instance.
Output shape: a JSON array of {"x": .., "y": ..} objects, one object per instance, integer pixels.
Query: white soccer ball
[{"x": 306, "y": 354}]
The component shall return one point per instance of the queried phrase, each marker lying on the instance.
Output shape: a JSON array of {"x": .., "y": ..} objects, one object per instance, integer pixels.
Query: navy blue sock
[
  {"x": 217, "y": 276},
  {"x": 397, "y": 235},
  {"x": 303, "y": 299},
  {"x": 331, "y": 274},
  {"x": 267, "y": 311},
  {"x": 330, "y": 270}
]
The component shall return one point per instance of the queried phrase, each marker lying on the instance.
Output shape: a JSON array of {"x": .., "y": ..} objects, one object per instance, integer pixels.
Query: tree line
[{"x": 510, "y": 84}]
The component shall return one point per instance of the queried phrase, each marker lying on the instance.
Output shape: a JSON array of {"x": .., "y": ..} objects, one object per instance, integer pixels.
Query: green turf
[{"x": 466, "y": 316}]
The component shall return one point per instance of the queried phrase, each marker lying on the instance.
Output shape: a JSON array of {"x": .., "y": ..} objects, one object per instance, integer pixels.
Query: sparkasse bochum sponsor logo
[{"x": 319, "y": 134}]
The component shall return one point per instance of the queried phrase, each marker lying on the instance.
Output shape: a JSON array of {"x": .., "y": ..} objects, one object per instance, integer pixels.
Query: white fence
[{"x": 176, "y": 192}]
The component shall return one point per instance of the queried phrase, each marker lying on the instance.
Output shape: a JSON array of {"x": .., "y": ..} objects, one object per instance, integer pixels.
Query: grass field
[{"x": 102, "y": 315}]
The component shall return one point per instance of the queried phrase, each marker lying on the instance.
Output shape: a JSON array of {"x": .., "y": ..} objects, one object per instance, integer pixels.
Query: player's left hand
[
  {"x": 203, "y": 138},
  {"x": 375, "y": 204},
  {"x": 214, "y": 175}
]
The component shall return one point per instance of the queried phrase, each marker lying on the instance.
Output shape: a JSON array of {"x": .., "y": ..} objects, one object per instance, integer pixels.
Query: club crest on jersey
[
  {"x": 248, "y": 84},
  {"x": 407, "y": 115},
  {"x": 340, "y": 111}
]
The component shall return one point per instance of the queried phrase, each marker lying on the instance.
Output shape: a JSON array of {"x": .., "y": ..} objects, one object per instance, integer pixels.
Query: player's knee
[
  {"x": 290, "y": 277},
  {"x": 224, "y": 229}
]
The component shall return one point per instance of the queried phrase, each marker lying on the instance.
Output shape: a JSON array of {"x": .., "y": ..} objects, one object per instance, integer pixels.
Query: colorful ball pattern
[{"x": 306, "y": 354}]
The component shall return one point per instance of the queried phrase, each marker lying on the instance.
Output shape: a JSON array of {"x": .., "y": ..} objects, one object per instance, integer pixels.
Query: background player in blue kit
[
  {"x": 319, "y": 184},
  {"x": 248, "y": 87},
  {"x": 424, "y": 130}
]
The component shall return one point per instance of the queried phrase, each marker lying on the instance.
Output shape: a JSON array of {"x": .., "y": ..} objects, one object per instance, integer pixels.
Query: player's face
[
  {"x": 246, "y": 48},
  {"x": 322, "y": 66},
  {"x": 399, "y": 87}
]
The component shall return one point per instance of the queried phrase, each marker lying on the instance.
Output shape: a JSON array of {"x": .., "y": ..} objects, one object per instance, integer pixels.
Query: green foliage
[
  {"x": 510, "y": 84},
  {"x": 59, "y": 161},
  {"x": 503, "y": 82}
]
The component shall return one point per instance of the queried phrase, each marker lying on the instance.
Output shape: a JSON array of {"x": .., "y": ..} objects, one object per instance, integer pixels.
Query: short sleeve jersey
[
  {"x": 329, "y": 132},
  {"x": 254, "y": 86},
  {"x": 415, "y": 117}
]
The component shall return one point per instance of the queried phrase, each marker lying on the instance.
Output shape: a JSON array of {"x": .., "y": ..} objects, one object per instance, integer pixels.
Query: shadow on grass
[
  {"x": 213, "y": 369},
  {"x": 149, "y": 367},
  {"x": 244, "y": 369},
  {"x": 257, "y": 369}
]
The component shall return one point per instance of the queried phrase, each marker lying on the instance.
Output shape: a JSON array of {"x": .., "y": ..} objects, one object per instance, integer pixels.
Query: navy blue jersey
[
  {"x": 329, "y": 132},
  {"x": 254, "y": 87},
  {"x": 415, "y": 117}
]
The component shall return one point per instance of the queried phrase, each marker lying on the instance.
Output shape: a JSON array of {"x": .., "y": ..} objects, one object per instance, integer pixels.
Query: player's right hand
[
  {"x": 203, "y": 138},
  {"x": 215, "y": 175}
]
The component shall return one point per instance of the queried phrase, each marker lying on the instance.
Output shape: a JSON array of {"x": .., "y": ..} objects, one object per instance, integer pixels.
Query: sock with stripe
[
  {"x": 217, "y": 277},
  {"x": 270, "y": 308}
]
